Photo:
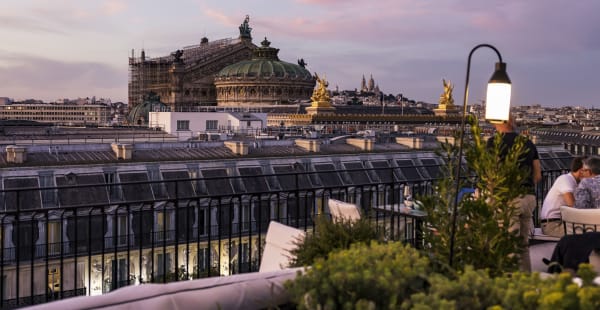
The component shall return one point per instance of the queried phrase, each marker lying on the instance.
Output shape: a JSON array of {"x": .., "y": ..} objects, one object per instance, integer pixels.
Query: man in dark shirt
[{"x": 525, "y": 204}]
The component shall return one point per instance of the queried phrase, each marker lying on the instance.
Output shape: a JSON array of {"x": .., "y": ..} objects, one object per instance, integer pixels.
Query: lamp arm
[{"x": 460, "y": 146}]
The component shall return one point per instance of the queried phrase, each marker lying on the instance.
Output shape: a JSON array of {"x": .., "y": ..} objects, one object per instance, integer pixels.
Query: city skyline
[{"x": 69, "y": 49}]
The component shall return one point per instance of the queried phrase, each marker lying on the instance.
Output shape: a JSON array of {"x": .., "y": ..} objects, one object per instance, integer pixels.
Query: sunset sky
[{"x": 80, "y": 48}]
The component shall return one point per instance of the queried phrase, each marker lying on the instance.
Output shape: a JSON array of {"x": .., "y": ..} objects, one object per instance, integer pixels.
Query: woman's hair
[{"x": 593, "y": 162}]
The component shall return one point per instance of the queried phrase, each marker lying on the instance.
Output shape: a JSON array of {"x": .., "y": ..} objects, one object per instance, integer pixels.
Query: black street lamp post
[{"x": 497, "y": 110}]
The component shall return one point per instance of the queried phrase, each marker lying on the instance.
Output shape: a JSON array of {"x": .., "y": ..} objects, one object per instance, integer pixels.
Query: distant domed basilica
[{"x": 370, "y": 87}]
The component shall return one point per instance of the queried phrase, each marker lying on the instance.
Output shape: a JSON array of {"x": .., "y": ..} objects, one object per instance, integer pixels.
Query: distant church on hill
[{"x": 370, "y": 87}]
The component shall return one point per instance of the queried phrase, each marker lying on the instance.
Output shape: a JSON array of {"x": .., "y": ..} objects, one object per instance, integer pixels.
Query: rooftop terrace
[{"x": 187, "y": 208}]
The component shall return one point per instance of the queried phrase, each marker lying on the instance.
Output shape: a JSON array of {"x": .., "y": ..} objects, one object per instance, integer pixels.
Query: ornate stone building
[
  {"x": 185, "y": 78},
  {"x": 227, "y": 72},
  {"x": 263, "y": 81}
]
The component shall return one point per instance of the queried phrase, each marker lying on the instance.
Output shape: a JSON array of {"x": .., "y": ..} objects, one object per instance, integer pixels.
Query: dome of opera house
[
  {"x": 263, "y": 80},
  {"x": 139, "y": 114}
]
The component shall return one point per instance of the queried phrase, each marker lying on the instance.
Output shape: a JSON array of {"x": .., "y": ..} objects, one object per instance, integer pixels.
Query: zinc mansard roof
[{"x": 45, "y": 147}]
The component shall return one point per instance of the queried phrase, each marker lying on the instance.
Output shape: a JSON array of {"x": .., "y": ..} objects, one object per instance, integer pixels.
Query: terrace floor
[{"x": 539, "y": 251}]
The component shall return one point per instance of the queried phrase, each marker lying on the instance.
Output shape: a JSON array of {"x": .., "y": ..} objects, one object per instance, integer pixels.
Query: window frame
[
  {"x": 212, "y": 124},
  {"x": 183, "y": 125}
]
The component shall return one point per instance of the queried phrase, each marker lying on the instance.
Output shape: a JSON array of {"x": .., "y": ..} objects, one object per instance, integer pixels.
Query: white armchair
[{"x": 579, "y": 221}]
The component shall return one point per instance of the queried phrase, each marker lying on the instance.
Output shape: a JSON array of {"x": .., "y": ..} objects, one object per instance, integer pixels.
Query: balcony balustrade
[{"x": 64, "y": 249}]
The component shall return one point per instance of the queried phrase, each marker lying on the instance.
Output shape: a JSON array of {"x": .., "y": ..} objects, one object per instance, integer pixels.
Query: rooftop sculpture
[
  {"x": 446, "y": 101},
  {"x": 321, "y": 100},
  {"x": 320, "y": 93},
  {"x": 245, "y": 28}
]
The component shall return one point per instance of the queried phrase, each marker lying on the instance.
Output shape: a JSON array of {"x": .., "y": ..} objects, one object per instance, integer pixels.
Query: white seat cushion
[
  {"x": 539, "y": 235},
  {"x": 343, "y": 210},
  {"x": 280, "y": 240}
]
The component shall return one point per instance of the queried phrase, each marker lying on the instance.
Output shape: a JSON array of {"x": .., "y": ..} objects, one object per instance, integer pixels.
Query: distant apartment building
[
  {"x": 190, "y": 124},
  {"x": 58, "y": 114},
  {"x": 5, "y": 100}
]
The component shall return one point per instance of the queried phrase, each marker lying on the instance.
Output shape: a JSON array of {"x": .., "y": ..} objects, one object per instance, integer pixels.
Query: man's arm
[
  {"x": 569, "y": 199},
  {"x": 537, "y": 171}
]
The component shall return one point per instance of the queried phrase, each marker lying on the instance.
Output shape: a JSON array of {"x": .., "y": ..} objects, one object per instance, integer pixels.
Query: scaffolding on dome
[
  {"x": 153, "y": 74},
  {"x": 145, "y": 74},
  {"x": 194, "y": 54}
]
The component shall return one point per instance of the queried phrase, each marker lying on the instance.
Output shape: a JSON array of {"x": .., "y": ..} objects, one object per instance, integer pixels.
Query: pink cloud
[
  {"x": 359, "y": 29},
  {"x": 486, "y": 21},
  {"x": 220, "y": 17},
  {"x": 326, "y": 2},
  {"x": 26, "y": 24},
  {"x": 80, "y": 14},
  {"x": 114, "y": 7}
]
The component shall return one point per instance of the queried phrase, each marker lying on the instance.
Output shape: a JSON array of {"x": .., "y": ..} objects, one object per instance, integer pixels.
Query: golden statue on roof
[
  {"x": 321, "y": 100},
  {"x": 320, "y": 93},
  {"x": 446, "y": 101}
]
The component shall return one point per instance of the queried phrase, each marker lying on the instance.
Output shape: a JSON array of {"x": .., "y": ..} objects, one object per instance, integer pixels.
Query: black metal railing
[{"x": 63, "y": 250}]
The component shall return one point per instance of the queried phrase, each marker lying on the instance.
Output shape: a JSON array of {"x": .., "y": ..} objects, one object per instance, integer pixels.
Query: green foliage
[
  {"x": 331, "y": 236},
  {"x": 375, "y": 276},
  {"x": 476, "y": 289},
  {"x": 397, "y": 276},
  {"x": 482, "y": 238}
]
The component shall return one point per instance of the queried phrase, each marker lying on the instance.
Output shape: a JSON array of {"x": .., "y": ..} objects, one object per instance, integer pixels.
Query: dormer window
[{"x": 71, "y": 178}]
